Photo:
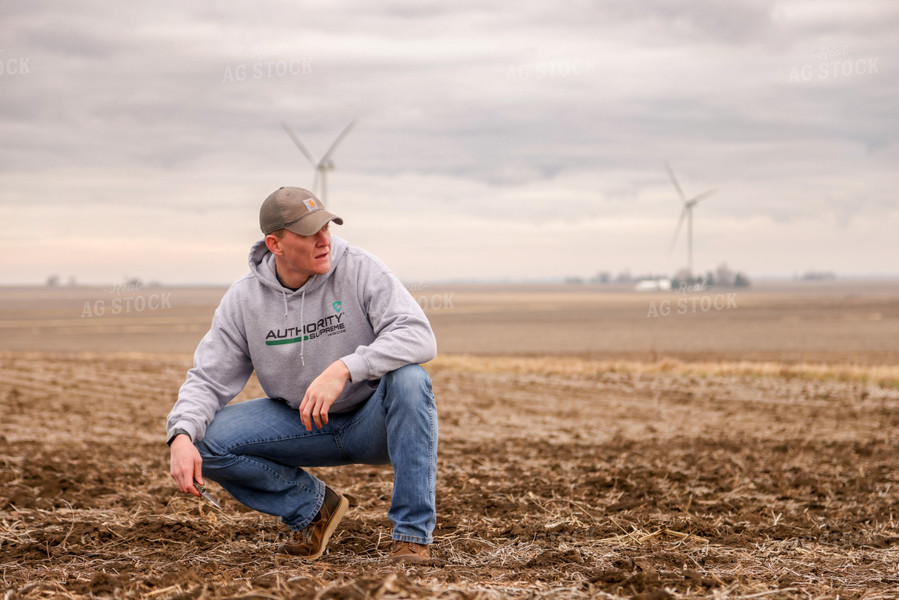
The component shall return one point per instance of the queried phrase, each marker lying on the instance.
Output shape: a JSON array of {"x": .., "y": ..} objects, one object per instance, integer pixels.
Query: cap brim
[{"x": 311, "y": 223}]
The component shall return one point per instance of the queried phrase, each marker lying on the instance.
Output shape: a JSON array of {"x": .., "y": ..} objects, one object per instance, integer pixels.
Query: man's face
[{"x": 304, "y": 256}]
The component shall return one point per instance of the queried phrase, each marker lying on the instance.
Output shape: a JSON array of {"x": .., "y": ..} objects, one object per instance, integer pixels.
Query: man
[{"x": 335, "y": 341}]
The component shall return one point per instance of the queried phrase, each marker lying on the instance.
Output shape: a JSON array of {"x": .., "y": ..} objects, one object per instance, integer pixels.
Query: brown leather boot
[
  {"x": 409, "y": 552},
  {"x": 310, "y": 542}
]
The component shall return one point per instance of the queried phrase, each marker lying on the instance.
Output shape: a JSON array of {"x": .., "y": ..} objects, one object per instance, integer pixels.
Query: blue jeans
[{"x": 255, "y": 450}]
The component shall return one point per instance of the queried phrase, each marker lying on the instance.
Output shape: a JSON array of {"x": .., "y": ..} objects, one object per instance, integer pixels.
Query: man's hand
[
  {"x": 186, "y": 464},
  {"x": 322, "y": 393}
]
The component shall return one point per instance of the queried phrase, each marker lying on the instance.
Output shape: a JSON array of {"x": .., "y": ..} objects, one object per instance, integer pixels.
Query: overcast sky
[{"x": 522, "y": 142}]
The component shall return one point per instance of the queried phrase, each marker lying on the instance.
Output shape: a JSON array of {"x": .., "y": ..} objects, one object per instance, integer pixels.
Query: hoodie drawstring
[{"x": 302, "y": 326}]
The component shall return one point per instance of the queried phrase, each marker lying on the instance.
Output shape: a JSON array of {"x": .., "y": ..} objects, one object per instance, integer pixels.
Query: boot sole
[
  {"x": 410, "y": 559},
  {"x": 331, "y": 526}
]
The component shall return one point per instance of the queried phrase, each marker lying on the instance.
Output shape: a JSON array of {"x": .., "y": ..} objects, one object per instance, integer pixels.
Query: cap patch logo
[{"x": 311, "y": 204}]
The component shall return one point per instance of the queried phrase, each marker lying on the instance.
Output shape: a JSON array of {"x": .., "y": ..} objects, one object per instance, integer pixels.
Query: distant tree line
[{"x": 723, "y": 276}]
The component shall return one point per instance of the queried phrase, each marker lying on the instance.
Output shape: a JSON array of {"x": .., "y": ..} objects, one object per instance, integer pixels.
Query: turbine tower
[
  {"x": 687, "y": 213},
  {"x": 321, "y": 166}
]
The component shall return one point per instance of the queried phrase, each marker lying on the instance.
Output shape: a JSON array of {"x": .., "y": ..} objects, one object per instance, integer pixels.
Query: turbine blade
[
  {"x": 680, "y": 192},
  {"x": 702, "y": 196},
  {"x": 338, "y": 140},
  {"x": 680, "y": 223},
  {"x": 299, "y": 144}
]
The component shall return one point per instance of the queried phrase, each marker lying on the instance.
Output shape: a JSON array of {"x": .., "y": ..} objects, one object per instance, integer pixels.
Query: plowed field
[{"x": 559, "y": 477}]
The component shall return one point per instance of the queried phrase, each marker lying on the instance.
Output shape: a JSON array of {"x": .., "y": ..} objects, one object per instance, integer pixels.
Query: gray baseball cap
[{"x": 296, "y": 210}]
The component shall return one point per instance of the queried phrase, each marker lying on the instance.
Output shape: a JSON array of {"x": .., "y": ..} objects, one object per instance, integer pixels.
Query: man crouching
[{"x": 336, "y": 343}]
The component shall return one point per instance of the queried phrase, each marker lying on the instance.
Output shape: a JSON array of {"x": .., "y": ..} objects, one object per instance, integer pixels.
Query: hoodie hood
[{"x": 262, "y": 266}]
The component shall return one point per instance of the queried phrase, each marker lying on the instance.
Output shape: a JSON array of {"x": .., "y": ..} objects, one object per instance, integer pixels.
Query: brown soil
[{"x": 581, "y": 482}]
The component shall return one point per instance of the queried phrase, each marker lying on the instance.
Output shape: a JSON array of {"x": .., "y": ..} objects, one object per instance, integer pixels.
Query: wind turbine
[
  {"x": 321, "y": 166},
  {"x": 687, "y": 213}
]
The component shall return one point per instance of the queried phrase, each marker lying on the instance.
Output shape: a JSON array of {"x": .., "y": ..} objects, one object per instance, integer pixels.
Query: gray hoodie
[{"x": 358, "y": 312}]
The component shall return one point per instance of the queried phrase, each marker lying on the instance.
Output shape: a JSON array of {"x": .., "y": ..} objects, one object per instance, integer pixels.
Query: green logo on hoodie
[{"x": 336, "y": 305}]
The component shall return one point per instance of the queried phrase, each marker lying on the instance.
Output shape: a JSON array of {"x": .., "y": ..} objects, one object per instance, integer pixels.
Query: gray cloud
[{"x": 503, "y": 116}]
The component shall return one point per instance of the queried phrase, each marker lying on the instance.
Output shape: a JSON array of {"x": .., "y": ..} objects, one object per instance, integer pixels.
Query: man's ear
[{"x": 273, "y": 244}]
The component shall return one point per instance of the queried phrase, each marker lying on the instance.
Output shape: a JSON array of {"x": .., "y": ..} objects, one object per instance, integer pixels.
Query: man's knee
[
  {"x": 410, "y": 383},
  {"x": 216, "y": 441},
  {"x": 208, "y": 448},
  {"x": 410, "y": 378}
]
